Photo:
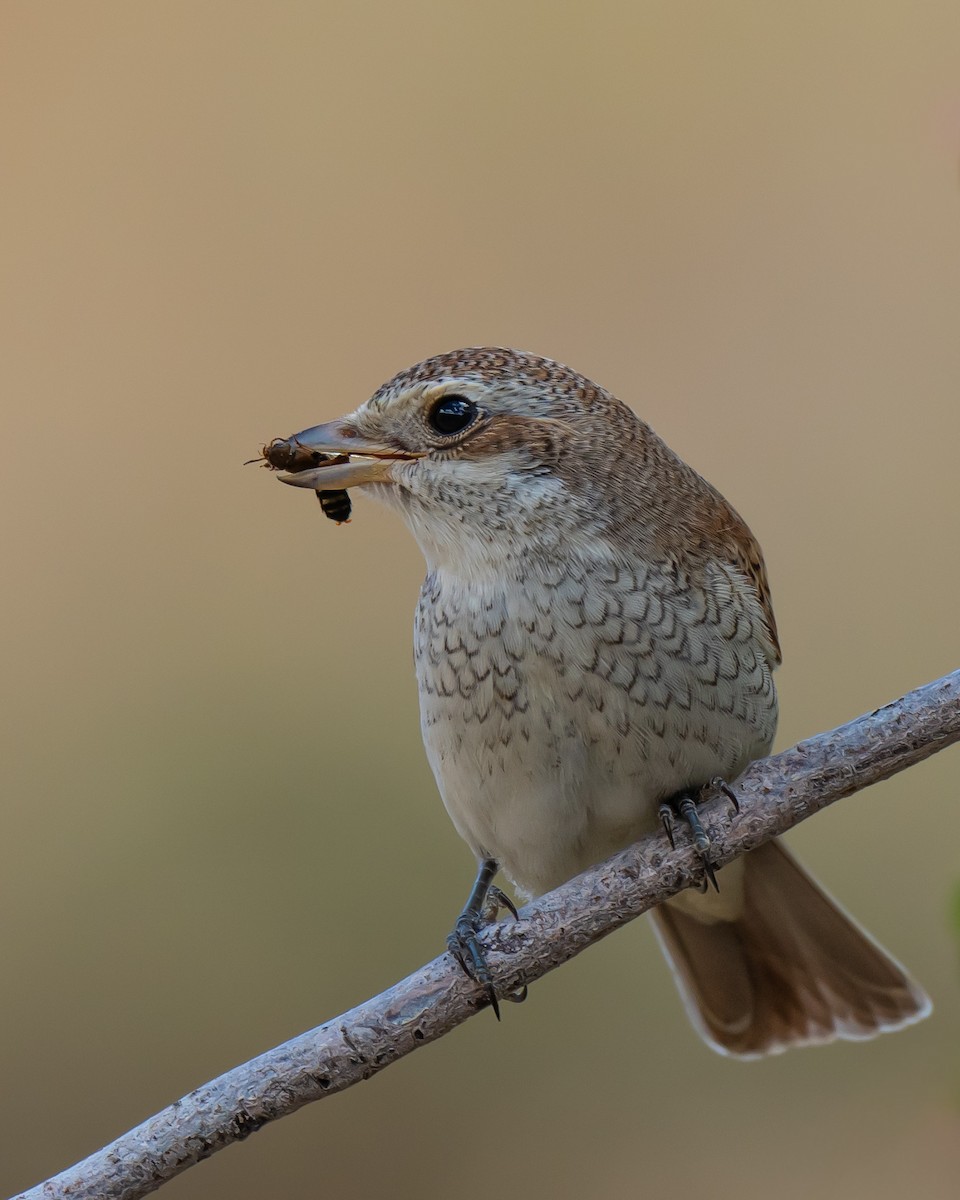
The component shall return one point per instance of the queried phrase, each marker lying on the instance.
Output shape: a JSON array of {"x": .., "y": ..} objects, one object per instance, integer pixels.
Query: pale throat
[{"x": 483, "y": 526}]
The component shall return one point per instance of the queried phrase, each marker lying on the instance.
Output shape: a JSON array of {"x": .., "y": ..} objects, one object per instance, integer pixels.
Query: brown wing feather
[
  {"x": 684, "y": 510},
  {"x": 740, "y": 548}
]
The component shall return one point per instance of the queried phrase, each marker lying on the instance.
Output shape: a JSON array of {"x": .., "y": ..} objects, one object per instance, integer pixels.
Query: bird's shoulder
[{"x": 667, "y": 511}]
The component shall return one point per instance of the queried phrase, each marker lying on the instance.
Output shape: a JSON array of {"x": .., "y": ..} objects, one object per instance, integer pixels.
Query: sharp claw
[
  {"x": 666, "y": 819},
  {"x": 499, "y": 900},
  {"x": 710, "y": 874},
  {"x": 724, "y": 788},
  {"x": 492, "y": 997}
]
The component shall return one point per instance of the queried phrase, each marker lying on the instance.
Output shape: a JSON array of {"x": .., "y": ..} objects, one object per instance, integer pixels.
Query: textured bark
[{"x": 775, "y": 794}]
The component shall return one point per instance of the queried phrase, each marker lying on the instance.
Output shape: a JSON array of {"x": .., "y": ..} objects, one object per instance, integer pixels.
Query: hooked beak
[{"x": 353, "y": 461}]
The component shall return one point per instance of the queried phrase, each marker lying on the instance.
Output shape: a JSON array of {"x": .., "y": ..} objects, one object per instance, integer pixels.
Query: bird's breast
[{"x": 562, "y": 702}]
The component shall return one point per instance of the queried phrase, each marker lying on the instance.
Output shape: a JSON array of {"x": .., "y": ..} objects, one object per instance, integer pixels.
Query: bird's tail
[{"x": 791, "y": 969}]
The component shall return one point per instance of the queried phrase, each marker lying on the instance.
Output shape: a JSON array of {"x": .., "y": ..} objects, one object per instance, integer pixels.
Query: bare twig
[{"x": 774, "y": 795}]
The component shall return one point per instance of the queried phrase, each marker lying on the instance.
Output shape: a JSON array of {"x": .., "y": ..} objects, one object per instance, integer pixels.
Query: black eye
[{"x": 452, "y": 414}]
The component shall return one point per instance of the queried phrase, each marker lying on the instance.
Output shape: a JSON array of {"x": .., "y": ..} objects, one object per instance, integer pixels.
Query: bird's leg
[
  {"x": 684, "y": 805},
  {"x": 463, "y": 943}
]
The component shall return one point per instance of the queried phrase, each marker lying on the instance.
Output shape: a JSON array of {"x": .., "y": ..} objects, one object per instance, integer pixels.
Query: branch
[{"x": 775, "y": 794}]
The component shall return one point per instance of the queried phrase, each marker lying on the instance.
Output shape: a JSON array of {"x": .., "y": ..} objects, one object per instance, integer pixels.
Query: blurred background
[{"x": 222, "y": 221}]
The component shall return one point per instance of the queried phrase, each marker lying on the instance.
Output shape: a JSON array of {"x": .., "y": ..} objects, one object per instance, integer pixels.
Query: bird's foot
[
  {"x": 497, "y": 899},
  {"x": 482, "y": 909},
  {"x": 465, "y": 947},
  {"x": 684, "y": 806}
]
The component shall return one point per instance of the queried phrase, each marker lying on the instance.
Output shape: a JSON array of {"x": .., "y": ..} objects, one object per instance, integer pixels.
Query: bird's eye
[{"x": 452, "y": 414}]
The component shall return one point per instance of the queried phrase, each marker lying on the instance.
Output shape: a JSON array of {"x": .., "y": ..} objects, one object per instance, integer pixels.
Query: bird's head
[{"x": 483, "y": 451}]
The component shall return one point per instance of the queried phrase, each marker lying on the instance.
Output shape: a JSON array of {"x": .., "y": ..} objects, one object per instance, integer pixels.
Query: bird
[{"x": 595, "y": 644}]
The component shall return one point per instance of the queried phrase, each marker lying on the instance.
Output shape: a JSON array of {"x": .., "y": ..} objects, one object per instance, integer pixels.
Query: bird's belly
[
  {"x": 553, "y": 749},
  {"x": 546, "y": 801}
]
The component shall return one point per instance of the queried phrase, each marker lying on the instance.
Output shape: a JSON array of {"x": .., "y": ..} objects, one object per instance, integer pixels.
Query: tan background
[{"x": 224, "y": 221}]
